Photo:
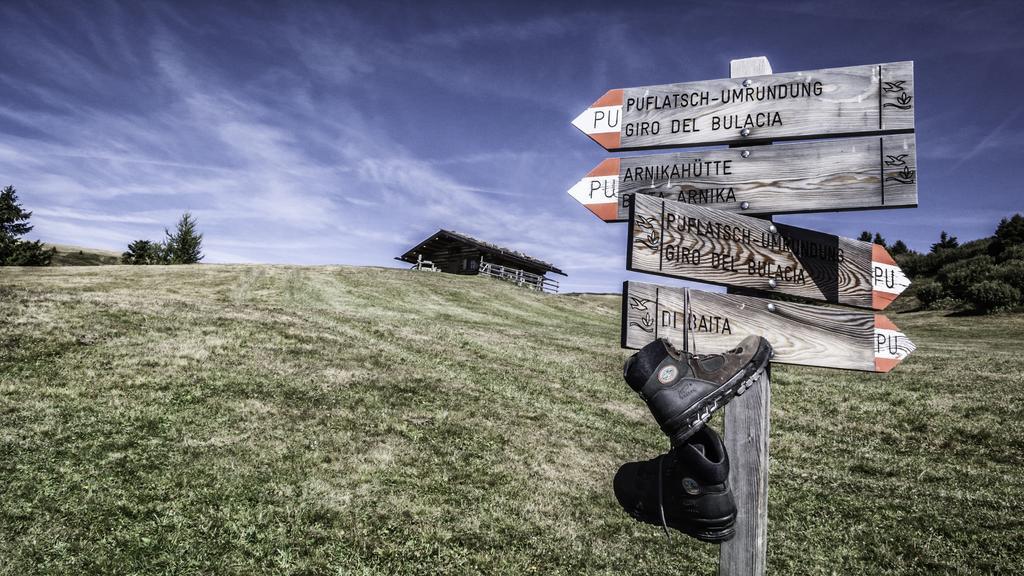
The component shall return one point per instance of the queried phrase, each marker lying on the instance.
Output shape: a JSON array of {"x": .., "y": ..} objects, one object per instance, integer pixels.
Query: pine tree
[
  {"x": 1010, "y": 231},
  {"x": 865, "y": 236},
  {"x": 185, "y": 245},
  {"x": 879, "y": 239},
  {"x": 945, "y": 242},
  {"x": 13, "y": 225},
  {"x": 899, "y": 247}
]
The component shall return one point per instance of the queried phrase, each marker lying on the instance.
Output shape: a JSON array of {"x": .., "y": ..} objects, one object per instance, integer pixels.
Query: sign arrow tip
[
  {"x": 891, "y": 345},
  {"x": 887, "y": 278},
  {"x": 602, "y": 120}
]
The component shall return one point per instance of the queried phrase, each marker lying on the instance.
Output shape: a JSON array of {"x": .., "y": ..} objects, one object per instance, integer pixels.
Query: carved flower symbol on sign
[
  {"x": 646, "y": 323},
  {"x": 902, "y": 102},
  {"x": 651, "y": 240},
  {"x": 905, "y": 176}
]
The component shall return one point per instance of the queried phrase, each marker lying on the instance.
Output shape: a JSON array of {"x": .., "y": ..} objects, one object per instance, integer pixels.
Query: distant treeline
[
  {"x": 985, "y": 275},
  {"x": 183, "y": 246}
]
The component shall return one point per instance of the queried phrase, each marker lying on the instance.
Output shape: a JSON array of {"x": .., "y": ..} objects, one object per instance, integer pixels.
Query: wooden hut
[{"x": 457, "y": 253}]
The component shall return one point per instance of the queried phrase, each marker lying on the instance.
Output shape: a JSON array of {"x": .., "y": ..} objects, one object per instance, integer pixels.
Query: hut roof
[{"x": 443, "y": 235}]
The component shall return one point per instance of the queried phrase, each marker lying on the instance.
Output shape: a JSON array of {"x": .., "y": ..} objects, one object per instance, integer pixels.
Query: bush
[
  {"x": 1011, "y": 253},
  {"x": 992, "y": 295},
  {"x": 929, "y": 293},
  {"x": 142, "y": 252},
  {"x": 958, "y": 277},
  {"x": 914, "y": 264},
  {"x": 1012, "y": 273}
]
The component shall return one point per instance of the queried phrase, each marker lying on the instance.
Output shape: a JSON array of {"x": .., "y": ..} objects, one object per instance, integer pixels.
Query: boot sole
[
  {"x": 701, "y": 412},
  {"x": 714, "y": 530},
  {"x": 713, "y": 536},
  {"x": 725, "y": 529}
]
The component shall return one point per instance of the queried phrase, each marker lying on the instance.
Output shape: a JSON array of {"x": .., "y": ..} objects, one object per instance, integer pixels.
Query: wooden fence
[{"x": 519, "y": 277}]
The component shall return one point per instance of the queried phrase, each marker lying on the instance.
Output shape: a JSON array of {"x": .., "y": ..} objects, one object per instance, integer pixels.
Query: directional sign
[
  {"x": 688, "y": 241},
  {"x": 799, "y": 333},
  {"x": 834, "y": 102},
  {"x": 856, "y": 173}
]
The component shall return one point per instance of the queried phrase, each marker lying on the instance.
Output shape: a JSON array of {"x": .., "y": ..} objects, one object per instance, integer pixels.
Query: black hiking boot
[
  {"x": 686, "y": 489},
  {"x": 682, "y": 390}
]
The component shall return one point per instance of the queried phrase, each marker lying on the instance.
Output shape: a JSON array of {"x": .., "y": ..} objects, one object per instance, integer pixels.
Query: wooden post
[{"x": 746, "y": 440}]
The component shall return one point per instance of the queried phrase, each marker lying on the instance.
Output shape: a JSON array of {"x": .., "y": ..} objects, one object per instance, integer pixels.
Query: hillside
[
  {"x": 78, "y": 256},
  {"x": 322, "y": 420}
]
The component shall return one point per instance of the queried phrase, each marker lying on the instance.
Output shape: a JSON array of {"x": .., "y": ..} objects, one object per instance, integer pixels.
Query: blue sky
[{"x": 344, "y": 133}]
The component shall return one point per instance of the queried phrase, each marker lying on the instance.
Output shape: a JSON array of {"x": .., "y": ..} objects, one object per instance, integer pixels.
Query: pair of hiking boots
[{"x": 688, "y": 488}]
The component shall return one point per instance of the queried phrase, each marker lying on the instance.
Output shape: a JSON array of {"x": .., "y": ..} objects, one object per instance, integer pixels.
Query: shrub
[
  {"x": 1012, "y": 273},
  {"x": 958, "y": 277},
  {"x": 992, "y": 295},
  {"x": 929, "y": 293},
  {"x": 1011, "y": 253},
  {"x": 141, "y": 252},
  {"x": 914, "y": 264}
]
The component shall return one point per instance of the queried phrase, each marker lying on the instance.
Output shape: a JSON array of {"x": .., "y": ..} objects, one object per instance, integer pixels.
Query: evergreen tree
[
  {"x": 899, "y": 247},
  {"x": 1010, "y": 231},
  {"x": 13, "y": 225},
  {"x": 945, "y": 242},
  {"x": 865, "y": 236},
  {"x": 879, "y": 239},
  {"x": 162, "y": 252},
  {"x": 141, "y": 252},
  {"x": 185, "y": 245}
]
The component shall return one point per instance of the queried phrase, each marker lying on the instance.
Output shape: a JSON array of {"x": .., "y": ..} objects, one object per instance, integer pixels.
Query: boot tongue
[
  {"x": 672, "y": 351},
  {"x": 711, "y": 363}
]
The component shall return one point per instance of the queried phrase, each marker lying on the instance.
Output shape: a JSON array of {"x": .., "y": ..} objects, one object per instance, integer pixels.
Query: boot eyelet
[{"x": 690, "y": 486}]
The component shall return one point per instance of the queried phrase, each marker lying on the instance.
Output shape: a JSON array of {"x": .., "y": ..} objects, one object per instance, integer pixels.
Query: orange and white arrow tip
[
  {"x": 891, "y": 345},
  {"x": 599, "y": 190},
  {"x": 603, "y": 120},
  {"x": 887, "y": 279}
]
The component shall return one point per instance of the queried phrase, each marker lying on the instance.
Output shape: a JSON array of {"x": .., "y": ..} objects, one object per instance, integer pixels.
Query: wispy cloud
[{"x": 338, "y": 134}]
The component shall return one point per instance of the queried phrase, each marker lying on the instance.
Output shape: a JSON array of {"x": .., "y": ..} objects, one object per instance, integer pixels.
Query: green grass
[
  {"x": 333, "y": 420},
  {"x": 79, "y": 256}
]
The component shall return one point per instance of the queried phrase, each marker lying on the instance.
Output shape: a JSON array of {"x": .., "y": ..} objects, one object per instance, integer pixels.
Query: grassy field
[
  {"x": 78, "y": 256},
  {"x": 331, "y": 420}
]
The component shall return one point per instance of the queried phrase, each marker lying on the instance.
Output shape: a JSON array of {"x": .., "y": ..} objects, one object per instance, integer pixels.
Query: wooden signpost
[
  {"x": 800, "y": 333},
  {"x": 850, "y": 174},
  {"x": 687, "y": 241},
  {"x": 857, "y": 100},
  {"x": 690, "y": 217}
]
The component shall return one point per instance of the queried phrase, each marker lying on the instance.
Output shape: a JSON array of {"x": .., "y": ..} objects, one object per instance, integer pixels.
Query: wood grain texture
[
  {"x": 869, "y": 99},
  {"x": 849, "y": 174},
  {"x": 747, "y": 426},
  {"x": 803, "y": 334},
  {"x": 687, "y": 241}
]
